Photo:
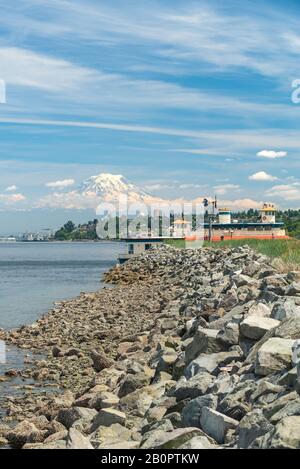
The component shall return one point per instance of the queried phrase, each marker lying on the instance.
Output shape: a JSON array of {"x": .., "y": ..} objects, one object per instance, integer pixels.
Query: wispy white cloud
[
  {"x": 241, "y": 204},
  {"x": 12, "y": 199},
  {"x": 223, "y": 189},
  {"x": 288, "y": 192},
  {"x": 190, "y": 33},
  {"x": 272, "y": 154},
  {"x": 60, "y": 184},
  {"x": 12, "y": 188},
  {"x": 24, "y": 67},
  {"x": 262, "y": 176},
  {"x": 232, "y": 139},
  {"x": 69, "y": 200}
]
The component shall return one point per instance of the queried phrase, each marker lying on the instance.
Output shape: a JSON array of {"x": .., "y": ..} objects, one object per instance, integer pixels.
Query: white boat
[{"x": 9, "y": 239}]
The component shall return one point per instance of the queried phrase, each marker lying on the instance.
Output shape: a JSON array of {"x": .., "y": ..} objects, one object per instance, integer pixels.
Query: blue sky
[{"x": 178, "y": 96}]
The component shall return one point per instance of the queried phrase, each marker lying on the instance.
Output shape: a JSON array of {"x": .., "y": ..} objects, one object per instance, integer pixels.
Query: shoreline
[
  {"x": 25, "y": 339},
  {"x": 175, "y": 348}
]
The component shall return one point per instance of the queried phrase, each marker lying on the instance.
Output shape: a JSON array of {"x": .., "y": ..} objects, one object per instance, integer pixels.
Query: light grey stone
[
  {"x": 76, "y": 440},
  {"x": 177, "y": 438},
  {"x": 205, "y": 341},
  {"x": 259, "y": 309},
  {"x": 107, "y": 417},
  {"x": 274, "y": 355},
  {"x": 255, "y": 327},
  {"x": 252, "y": 426},
  {"x": 211, "y": 362},
  {"x": 216, "y": 424},
  {"x": 192, "y": 388},
  {"x": 191, "y": 413},
  {"x": 285, "y": 309},
  {"x": 286, "y": 435}
]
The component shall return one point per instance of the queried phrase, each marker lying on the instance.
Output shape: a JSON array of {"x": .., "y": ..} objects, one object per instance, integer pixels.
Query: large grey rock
[
  {"x": 292, "y": 408},
  {"x": 285, "y": 309},
  {"x": 133, "y": 382},
  {"x": 286, "y": 435},
  {"x": 252, "y": 268},
  {"x": 280, "y": 403},
  {"x": 62, "y": 435},
  {"x": 4, "y": 430},
  {"x": 274, "y": 355},
  {"x": 103, "y": 400},
  {"x": 211, "y": 362},
  {"x": 229, "y": 300},
  {"x": 24, "y": 432},
  {"x": 266, "y": 387},
  {"x": 205, "y": 341},
  {"x": 76, "y": 440},
  {"x": 107, "y": 417},
  {"x": 287, "y": 329},
  {"x": 192, "y": 388},
  {"x": 198, "y": 442},
  {"x": 229, "y": 334},
  {"x": 69, "y": 416},
  {"x": 275, "y": 284},
  {"x": 252, "y": 426},
  {"x": 100, "y": 360},
  {"x": 106, "y": 436},
  {"x": 216, "y": 424},
  {"x": 176, "y": 438},
  {"x": 235, "y": 314},
  {"x": 191, "y": 413},
  {"x": 242, "y": 279},
  {"x": 167, "y": 361},
  {"x": 224, "y": 384},
  {"x": 293, "y": 289},
  {"x": 237, "y": 404},
  {"x": 57, "y": 444},
  {"x": 289, "y": 378},
  {"x": 259, "y": 309},
  {"x": 255, "y": 327}
]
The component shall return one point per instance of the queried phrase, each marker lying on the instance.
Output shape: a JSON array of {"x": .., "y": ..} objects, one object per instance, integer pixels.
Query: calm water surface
[{"x": 34, "y": 275}]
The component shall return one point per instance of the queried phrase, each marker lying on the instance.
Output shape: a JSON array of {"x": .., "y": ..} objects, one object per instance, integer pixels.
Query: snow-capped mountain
[
  {"x": 109, "y": 187},
  {"x": 96, "y": 190}
]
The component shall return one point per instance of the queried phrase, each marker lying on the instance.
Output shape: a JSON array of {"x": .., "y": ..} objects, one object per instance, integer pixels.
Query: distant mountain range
[
  {"x": 103, "y": 187},
  {"x": 109, "y": 187}
]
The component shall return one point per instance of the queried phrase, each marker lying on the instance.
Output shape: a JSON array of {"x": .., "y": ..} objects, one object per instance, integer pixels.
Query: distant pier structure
[{"x": 224, "y": 228}]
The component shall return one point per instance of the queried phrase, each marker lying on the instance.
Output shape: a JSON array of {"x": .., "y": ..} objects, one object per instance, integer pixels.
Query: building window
[
  {"x": 131, "y": 249},
  {"x": 148, "y": 246}
]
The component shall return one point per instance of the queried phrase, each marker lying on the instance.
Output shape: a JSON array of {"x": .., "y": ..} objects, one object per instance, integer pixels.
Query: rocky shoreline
[{"x": 190, "y": 349}]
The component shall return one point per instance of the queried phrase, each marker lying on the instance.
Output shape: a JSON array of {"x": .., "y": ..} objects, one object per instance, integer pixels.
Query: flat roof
[{"x": 243, "y": 225}]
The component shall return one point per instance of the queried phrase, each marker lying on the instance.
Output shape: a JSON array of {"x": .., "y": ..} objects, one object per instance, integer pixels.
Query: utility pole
[{"x": 211, "y": 216}]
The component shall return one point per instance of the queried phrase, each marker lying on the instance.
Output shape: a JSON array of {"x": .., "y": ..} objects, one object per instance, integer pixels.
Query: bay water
[{"x": 33, "y": 276}]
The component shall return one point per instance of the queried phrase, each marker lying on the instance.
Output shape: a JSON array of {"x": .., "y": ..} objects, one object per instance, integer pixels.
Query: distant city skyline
[{"x": 183, "y": 98}]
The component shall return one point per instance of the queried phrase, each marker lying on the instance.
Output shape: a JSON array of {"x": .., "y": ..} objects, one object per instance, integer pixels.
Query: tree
[{"x": 69, "y": 226}]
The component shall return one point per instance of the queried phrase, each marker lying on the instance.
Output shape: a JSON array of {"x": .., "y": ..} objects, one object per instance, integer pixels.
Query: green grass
[{"x": 285, "y": 251}]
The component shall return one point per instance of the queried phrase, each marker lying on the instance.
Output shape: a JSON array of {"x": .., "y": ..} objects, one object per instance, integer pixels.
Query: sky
[{"x": 184, "y": 98}]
